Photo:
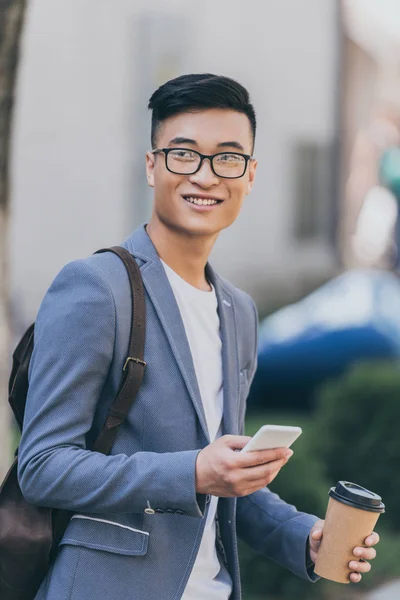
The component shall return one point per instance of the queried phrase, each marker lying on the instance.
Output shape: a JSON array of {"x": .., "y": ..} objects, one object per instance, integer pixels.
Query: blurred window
[{"x": 313, "y": 190}]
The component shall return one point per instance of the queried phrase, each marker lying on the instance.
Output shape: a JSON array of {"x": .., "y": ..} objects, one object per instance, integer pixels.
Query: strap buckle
[{"x": 136, "y": 360}]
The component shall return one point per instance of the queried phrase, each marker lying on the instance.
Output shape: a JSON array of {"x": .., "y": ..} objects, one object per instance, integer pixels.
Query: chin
[
  {"x": 190, "y": 228},
  {"x": 204, "y": 229}
]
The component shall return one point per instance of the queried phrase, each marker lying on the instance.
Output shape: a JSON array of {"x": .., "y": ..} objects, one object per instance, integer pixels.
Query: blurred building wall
[
  {"x": 82, "y": 128},
  {"x": 370, "y": 125},
  {"x": 360, "y": 73},
  {"x": 359, "y": 84}
]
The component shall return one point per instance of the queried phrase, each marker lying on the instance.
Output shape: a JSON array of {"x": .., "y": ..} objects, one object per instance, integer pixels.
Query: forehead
[{"x": 208, "y": 128}]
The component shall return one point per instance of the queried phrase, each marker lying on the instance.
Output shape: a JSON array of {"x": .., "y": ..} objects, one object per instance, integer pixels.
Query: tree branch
[{"x": 11, "y": 22}]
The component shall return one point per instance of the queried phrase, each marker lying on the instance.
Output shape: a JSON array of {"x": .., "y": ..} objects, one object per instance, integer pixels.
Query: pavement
[{"x": 390, "y": 591}]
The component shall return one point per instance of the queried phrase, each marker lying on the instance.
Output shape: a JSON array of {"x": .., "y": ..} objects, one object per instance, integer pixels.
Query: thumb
[{"x": 235, "y": 442}]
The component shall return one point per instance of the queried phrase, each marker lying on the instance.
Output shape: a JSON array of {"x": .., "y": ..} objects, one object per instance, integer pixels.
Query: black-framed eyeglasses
[{"x": 184, "y": 161}]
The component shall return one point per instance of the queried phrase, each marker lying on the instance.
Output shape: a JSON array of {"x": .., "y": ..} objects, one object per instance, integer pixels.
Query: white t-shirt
[{"x": 209, "y": 578}]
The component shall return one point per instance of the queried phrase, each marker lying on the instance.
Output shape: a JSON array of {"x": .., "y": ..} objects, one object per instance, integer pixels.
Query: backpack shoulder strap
[
  {"x": 18, "y": 382},
  {"x": 133, "y": 369}
]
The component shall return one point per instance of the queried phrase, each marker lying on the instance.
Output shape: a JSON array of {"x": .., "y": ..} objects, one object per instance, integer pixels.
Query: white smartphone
[{"x": 273, "y": 436}]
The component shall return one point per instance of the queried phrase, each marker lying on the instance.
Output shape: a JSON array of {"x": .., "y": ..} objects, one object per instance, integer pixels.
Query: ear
[
  {"x": 252, "y": 175},
  {"x": 150, "y": 164}
]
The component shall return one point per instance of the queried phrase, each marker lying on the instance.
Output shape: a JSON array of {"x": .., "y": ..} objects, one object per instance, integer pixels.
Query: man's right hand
[{"x": 220, "y": 471}]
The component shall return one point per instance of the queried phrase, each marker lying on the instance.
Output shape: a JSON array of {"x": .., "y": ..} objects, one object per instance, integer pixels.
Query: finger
[
  {"x": 261, "y": 457},
  {"x": 365, "y": 553},
  {"x": 262, "y": 472},
  {"x": 316, "y": 535},
  {"x": 372, "y": 539},
  {"x": 355, "y": 577},
  {"x": 359, "y": 567},
  {"x": 254, "y": 485}
]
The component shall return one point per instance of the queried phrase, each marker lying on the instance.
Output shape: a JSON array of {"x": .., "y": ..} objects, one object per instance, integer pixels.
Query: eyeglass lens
[{"x": 186, "y": 162}]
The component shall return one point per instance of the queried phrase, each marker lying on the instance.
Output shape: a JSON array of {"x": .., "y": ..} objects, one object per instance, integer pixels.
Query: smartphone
[{"x": 273, "y": 436}]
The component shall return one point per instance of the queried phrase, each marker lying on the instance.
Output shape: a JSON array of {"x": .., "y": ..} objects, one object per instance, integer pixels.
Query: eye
[
  {"x": 230, "y": 158},
  {"x": 183, "y": 155}
]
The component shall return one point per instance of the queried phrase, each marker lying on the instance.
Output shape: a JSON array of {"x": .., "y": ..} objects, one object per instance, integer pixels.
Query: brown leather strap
[{"x": 134, "y": 365}]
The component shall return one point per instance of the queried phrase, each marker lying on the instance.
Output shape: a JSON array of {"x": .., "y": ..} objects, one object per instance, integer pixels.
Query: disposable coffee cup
[{"x": 351, "y": 516}]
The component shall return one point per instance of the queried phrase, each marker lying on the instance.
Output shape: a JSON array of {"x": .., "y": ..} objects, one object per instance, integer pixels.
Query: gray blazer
[{"x": 112, "y": 547}]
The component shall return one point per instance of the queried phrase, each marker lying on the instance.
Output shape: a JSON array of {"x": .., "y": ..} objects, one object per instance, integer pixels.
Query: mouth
[{"x": 202, "y": 201}]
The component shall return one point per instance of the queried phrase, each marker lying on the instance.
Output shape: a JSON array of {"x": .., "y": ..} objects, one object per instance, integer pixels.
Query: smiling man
[{"x": 158, "y": 518}]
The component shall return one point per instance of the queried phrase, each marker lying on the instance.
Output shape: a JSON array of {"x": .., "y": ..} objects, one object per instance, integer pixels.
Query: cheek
[
  {"x": 166, "y": 186},
  {"x": 160, "y": 175},
  {"x": 237, "y": 194},
  {"x": 164, "y": 181}
]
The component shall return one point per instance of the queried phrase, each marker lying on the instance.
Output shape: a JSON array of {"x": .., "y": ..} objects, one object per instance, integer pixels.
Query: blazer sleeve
[
  {"x": 73, "y": 350},
  {"x": 276, "y": 529},
  {"x": 271, "y": 526}
]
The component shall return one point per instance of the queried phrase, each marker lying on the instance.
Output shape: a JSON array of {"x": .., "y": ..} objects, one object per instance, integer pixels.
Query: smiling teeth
[{"x": 202, "y": 202}]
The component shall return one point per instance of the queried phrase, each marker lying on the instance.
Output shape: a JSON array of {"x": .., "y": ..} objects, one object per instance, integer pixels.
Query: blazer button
[
  {"x": 149, "y": 510},
  {"x": 169, "y": 510},
  {"x": 159, "y": 510},
  {"x": 179, "y": 512}
]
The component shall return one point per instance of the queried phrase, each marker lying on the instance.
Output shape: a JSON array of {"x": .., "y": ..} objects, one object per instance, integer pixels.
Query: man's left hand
[{"x": 362, "y": 555}]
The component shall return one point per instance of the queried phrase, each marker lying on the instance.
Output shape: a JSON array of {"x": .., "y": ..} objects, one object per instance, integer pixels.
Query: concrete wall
[{"x": 81, "y": 126}]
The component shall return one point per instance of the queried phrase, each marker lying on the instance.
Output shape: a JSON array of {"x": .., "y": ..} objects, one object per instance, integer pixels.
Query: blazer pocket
[{"x": 108, "y": 536}]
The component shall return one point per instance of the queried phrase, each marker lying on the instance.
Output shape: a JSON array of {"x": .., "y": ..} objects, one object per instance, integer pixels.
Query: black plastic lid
[{"x": 357, "y": 496}]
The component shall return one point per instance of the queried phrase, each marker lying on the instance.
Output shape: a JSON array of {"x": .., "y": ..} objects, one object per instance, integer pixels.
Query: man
[{"x": 159, "y": 516}]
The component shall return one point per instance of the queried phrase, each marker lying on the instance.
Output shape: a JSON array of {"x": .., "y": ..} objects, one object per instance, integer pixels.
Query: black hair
[{"x": 198, "y": 91}]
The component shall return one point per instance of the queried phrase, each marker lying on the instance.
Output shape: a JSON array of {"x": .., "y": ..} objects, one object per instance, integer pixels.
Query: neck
[{"x": 186, "y": 255}]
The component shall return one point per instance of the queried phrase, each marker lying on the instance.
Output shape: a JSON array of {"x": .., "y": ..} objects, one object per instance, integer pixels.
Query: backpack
[{"x": 29, "y": 535}]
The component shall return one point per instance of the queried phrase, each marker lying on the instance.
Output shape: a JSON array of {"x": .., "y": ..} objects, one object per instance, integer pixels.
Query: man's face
[{"x": 209, "y": 132}]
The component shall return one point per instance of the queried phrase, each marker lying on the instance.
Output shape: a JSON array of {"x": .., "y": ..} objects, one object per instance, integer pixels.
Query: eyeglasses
[{"x": 183, "y": 161}]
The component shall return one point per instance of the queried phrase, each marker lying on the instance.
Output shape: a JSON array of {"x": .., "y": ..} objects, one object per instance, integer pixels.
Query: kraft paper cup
[{"x": 351, "y": 516}]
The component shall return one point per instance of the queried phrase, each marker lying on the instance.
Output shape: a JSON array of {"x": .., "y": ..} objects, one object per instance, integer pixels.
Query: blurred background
[{"x": 316, "y": 243}]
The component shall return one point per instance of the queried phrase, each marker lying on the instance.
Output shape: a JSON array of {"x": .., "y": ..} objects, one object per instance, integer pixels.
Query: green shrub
[
  {"x": 15, "y": 437},
  {"x": 300, "y": 483},
  {"x": 356, "y": 434},
  {"x": 305, "y": 482}
]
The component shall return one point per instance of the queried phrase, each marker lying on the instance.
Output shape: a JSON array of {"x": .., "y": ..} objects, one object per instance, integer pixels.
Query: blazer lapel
[
  {"x": 157, "y": 285},
  {"x": 230, "y": 356},
  {"x": 158, "y": 288}
]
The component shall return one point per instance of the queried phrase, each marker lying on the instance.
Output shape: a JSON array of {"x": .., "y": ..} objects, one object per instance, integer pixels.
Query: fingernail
[{"x": 288, "y": 453}]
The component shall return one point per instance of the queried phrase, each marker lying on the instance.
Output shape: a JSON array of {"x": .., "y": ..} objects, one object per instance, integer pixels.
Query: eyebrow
[
  {"x": 183, "y": 140},
  {"x": 232, "y": 145}
]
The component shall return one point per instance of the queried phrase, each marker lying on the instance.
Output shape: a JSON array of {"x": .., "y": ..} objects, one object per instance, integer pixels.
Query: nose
[{"x": 205, "y": 177}]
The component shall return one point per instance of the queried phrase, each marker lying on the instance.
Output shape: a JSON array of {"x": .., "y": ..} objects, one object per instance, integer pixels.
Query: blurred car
[{"x": 354, "y": 317}]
